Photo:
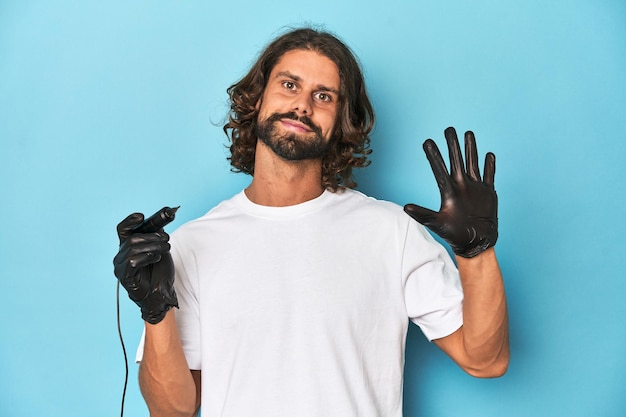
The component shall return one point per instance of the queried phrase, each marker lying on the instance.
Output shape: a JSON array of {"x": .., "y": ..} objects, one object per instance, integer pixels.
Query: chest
[{"x": 298, "y": 273}]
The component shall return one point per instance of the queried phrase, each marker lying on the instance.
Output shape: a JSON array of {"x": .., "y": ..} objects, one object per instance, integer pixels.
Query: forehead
[{"x": 310, "y": 66}]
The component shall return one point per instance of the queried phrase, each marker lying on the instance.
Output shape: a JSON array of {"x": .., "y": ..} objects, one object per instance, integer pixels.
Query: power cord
[{"x": 119, "y": 331}]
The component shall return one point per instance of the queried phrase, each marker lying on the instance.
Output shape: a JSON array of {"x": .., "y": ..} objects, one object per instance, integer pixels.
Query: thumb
[
  {"x": 125, "y": 227},
  {"x": 421, "y": 214}
]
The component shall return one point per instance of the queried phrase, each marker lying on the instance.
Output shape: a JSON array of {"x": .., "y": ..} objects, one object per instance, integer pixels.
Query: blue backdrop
[{"x": 112, "y": 107}]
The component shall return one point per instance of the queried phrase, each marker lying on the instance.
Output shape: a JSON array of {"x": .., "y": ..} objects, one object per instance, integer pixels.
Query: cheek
[
  {"x": 269, "y": 104},
  {"x": 333, "y": 124},
  {"x": 261, "y": 106}
]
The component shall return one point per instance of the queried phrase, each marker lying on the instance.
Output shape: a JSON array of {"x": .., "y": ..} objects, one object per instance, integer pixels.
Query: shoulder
[
  {"x": 385, "y": 214},
  {"x": 226, "y": 209},
  {"x": 359, "y": 202},
  {"x": 369, "y": 213}
]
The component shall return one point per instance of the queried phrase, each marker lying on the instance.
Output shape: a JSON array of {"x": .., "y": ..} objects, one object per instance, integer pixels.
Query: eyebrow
[{"x": 298, "y": 78}]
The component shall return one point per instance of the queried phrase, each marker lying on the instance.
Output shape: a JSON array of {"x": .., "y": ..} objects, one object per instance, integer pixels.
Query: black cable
[{"x": 119, "y": 331}]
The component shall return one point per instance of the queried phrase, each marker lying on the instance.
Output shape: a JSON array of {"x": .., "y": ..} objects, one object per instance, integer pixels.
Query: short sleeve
[{"x": 432, "y": 287}]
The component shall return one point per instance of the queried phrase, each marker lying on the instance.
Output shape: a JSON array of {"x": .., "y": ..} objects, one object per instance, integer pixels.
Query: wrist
[{"x": 488, "y": 255}]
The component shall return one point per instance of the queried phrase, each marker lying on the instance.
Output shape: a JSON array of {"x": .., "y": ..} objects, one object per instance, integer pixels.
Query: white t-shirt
[{"x": 303, "y": 310}]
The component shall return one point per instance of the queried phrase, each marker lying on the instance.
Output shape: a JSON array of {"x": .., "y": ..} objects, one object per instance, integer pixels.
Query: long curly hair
[{"x": 350, "y": 142}]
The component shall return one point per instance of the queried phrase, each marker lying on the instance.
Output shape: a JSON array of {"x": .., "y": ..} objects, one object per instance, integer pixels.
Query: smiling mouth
[{"x": 295, "y": 125}]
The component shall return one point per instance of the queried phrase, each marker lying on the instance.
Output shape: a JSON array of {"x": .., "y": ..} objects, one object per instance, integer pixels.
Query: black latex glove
[
  {"x": 144, "y": 267},
  {"x": 468, "y": 217}
]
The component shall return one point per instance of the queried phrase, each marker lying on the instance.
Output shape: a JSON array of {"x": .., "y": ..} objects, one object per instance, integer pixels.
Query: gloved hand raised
[
  {"x": 468, "y": 216},
  {"x": 143, "y": 264}
]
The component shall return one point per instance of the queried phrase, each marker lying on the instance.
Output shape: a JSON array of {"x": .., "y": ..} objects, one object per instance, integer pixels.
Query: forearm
[
  {"x": 166, "y": 382},
  {"x": 485, "y": 321}
]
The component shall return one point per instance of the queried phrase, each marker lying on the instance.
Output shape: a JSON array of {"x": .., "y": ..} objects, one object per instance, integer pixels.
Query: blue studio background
[{"x": 112, "y": 107}]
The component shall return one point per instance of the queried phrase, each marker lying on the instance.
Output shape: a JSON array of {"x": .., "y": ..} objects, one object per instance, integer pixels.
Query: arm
[
  {"x": 481, "y": 346},
  {"x": 167, "y": 384},
  {"x": 468, "y": 221}
]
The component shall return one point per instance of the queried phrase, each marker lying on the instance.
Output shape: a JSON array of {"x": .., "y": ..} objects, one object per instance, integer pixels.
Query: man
[{"x": 294, "y": 296}]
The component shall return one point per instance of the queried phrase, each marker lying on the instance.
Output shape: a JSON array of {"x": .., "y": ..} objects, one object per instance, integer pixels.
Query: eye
[
  {"x": 289, "y": 85},
  {"x": 324, "y": 97}
]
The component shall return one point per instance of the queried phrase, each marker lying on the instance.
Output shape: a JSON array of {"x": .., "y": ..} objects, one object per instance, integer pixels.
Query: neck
[{"x": 280, "y": 183}]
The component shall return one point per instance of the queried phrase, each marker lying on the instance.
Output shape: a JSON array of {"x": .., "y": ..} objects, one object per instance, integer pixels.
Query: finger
[
  {"x": 130, "y": 266},
  {"x": 421, "y": 214},
  {"x": 471, "y": 156},
  {"x": 141, "y": 238},
  {"x": 490, "y": 169},
  {"x": 438, "y": 166},
  {"x": 143, "y": 259},
  {"x": 137, "y": 244},
  {"x": 126, "y": 226},
  {"x": 134, "y": 263},
  {"x": 456, "y": 161}
]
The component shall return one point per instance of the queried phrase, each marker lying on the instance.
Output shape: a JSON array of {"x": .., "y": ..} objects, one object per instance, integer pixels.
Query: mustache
[{"x": 293, "y": 116}]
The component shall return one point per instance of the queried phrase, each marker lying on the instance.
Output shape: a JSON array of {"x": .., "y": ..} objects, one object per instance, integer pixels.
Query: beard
[{"x": 292, "y": 146}]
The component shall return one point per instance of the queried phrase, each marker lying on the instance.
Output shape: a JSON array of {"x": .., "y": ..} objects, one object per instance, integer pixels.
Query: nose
[{"x": 302, "y": 104}]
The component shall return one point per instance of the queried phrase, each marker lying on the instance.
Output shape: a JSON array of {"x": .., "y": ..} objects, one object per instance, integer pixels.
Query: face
[{"x": 298, "y": 109}]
